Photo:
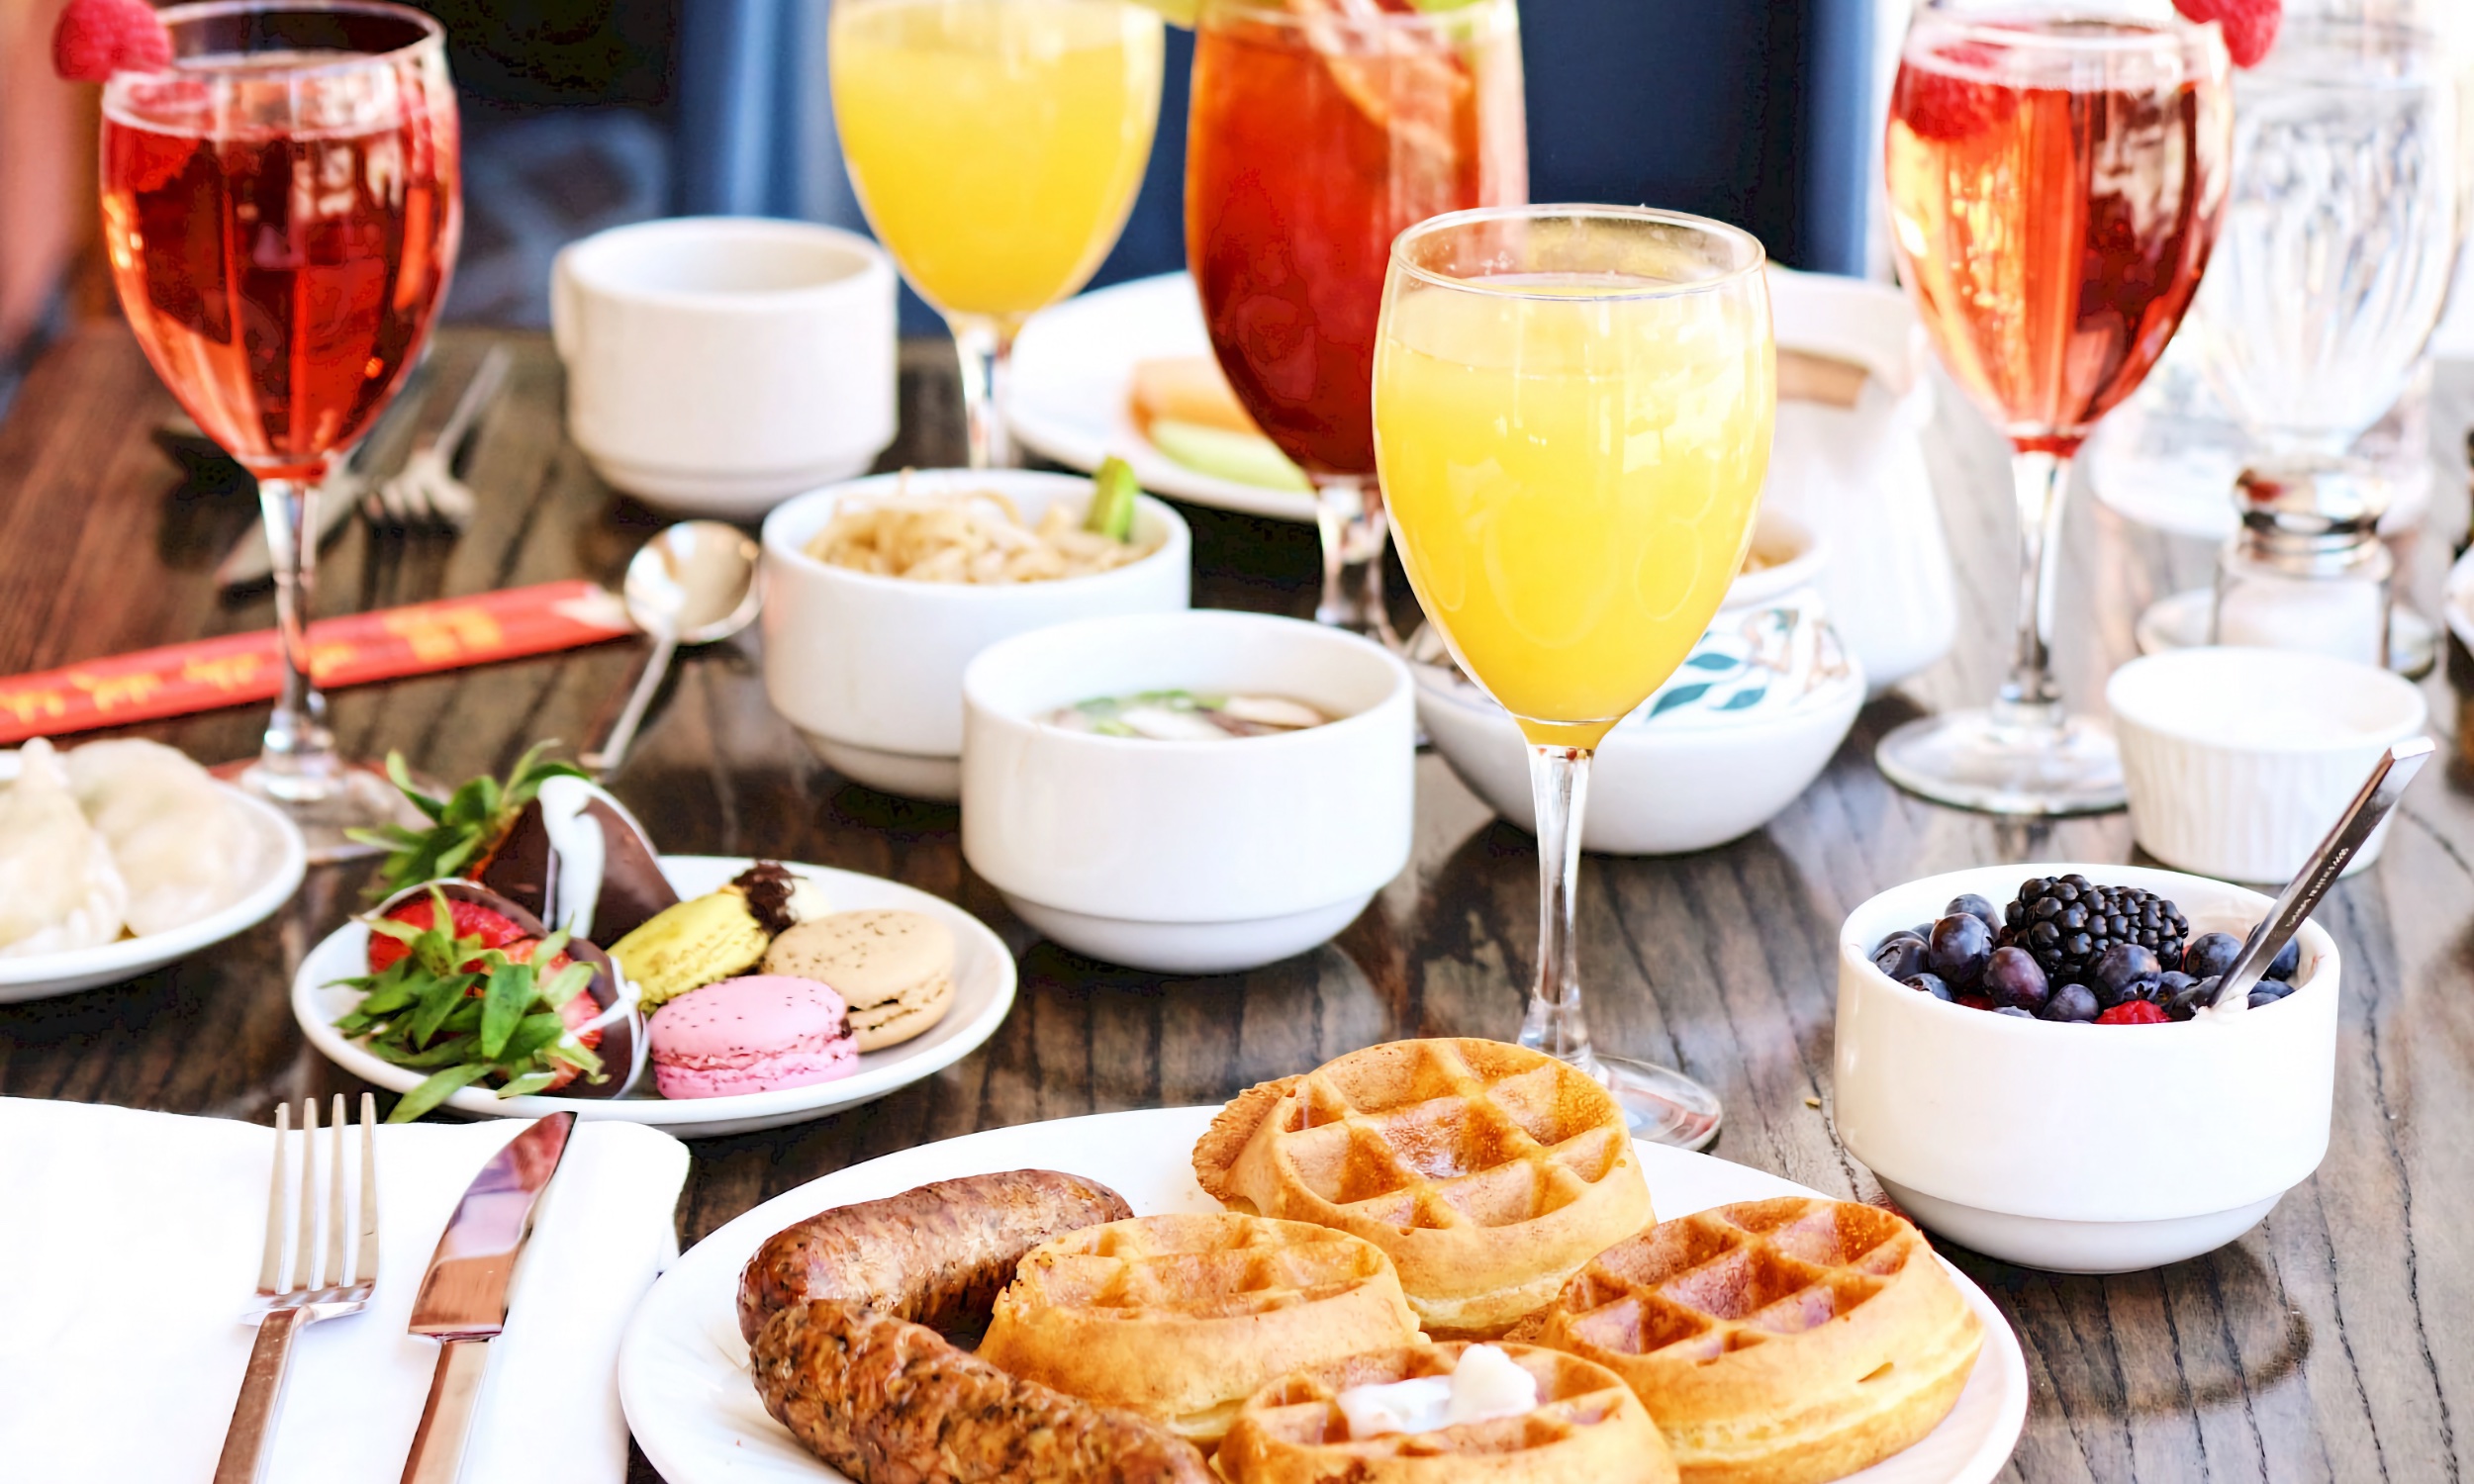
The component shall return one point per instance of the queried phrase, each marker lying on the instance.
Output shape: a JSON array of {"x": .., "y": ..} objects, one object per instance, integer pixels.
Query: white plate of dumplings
[{"x": 120, "y": 857}]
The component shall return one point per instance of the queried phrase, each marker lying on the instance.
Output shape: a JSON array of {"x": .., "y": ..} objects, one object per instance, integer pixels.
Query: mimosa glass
[
  {"x": 2055, "y": 183},
  {"x": 1317, "y": 134},
  {"x": 281, "y": 213},
  {"x": 1572, "y": 408},
  {"x": 995, "y": 147}
]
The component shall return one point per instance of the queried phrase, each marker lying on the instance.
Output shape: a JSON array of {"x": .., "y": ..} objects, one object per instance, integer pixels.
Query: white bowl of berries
[{"x": 1989, "y": 1018}]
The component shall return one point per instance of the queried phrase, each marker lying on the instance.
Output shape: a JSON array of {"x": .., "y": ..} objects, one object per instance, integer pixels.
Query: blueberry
[
  {"x": 1960, "y": 945},
  {"x": 2268, "y": 992},
  {"x": 2209, "y": 955},
  {"x": 2072, "y": 1003},
  {"x": 2126, "y": 972},
  {"x": 2011, "y": 1010},
  {"x": 2204, "y": 994},
  {"x": 1901, "y": 955},
  {"x": 1974, "y": 907},
  {"x": 1930, "y": 983},
  {"x": 2181, "y": 995},
  {"x": 2012, "y": 976},
  {"x": 2288, "y": 961}
]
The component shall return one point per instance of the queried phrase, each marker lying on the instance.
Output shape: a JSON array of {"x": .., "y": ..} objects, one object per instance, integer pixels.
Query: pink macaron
[{"x": 757, "y": 1034}]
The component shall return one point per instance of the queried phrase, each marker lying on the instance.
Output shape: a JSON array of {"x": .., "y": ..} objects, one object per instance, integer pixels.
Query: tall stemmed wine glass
[
  {"x": 995, "y": 147},
  {"x": 281, "y": 211},
  {"x": 1572, "y": 409},
  {"x": 1319, "y": 132},
  {"x": 2056, "y": 181}
]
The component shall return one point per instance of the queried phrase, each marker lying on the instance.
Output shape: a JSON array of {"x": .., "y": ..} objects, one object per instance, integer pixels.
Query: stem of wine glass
[
  {"x": 1558, "y": 786},
  {"x": 986, "y": 346},
  {"x": 1349, "y": 517},
  {"x": 2029, "y": 698},
  {"x": 297, "y": 760}
]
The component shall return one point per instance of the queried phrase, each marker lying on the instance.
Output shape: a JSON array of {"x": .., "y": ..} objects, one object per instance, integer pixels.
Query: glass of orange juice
[
  {"x": 1572, "y": 408},
  {"x": 995, "y": 147}
]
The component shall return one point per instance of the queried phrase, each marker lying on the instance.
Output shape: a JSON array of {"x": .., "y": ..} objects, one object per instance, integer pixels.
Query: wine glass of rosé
[
  {"x": 997, "y": 146},
  {"x": 2055, "y": 183},
  {"x": 1572, "y": 408},
  {"x": 281, "y": 213},
  {"x": 1319, "y": 132}
]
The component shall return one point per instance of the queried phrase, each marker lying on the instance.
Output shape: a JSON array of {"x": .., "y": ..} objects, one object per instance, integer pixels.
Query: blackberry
[{"x": 2066, "y": 922}]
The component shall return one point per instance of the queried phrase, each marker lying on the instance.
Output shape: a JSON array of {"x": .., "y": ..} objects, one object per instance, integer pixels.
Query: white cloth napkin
[{"x": 128, "y": 1253}]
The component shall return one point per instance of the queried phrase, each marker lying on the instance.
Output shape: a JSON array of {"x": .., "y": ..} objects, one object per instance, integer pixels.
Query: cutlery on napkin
[{"x": 133, "y": 1241}]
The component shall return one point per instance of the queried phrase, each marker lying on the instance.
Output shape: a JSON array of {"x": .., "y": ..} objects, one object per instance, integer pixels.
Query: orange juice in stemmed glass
[{"x": 1573, "y": 410}]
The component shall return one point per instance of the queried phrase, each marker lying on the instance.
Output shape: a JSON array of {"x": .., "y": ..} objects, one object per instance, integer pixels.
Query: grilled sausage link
[
  {"x": 937, "y": 1256},
  {"x": 890, "y": 1402}
]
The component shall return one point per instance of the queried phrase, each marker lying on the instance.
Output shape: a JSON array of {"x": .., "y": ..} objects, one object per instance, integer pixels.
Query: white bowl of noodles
[{"x": 867, "y": 667}]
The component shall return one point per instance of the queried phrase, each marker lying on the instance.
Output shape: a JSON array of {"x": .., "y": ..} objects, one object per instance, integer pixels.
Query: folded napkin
[{"x": 128, "y": 1253}]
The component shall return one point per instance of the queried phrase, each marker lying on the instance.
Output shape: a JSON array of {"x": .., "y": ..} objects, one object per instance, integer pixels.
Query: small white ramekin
[
  {"x": 2082, "y": 1148},
  {"x": 869, "y": 668},
  {"x": 2240, "y": 760},
  {"x": 1187, "y": 856}
]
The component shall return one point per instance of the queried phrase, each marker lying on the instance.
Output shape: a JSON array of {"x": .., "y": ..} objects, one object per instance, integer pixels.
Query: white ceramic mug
[{"x": 721, "y": 364}]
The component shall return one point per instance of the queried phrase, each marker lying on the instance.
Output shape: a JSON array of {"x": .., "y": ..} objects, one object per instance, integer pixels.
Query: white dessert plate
[
  {"x": 683, "y": 1368},
  {"x": 43, "y": 975},
  {"x": 983, "y": 993},
  {"x": 1072, "y": 367}
]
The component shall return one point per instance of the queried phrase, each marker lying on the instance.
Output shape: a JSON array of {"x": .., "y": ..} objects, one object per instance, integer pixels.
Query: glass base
[
  {"x": 329, "y": 802},
  {"x": 1662, "y": 1105},
  {"x": 1975, "y": 760}
]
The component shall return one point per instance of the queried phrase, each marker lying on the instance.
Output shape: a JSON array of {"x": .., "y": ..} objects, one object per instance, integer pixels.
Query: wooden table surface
[{"x": 2333, "y": 1341}]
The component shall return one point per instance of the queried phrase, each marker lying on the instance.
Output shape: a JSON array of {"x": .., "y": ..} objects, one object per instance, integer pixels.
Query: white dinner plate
[
  {"x": 41, "y": 975},
  {"x": 1074, "y": 366},
  {"x": 983, "y": 993},
  {"x": 683, "y": 1368}
]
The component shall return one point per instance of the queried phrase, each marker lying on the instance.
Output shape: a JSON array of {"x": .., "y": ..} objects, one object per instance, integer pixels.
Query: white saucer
[
  {"x": 683, "y": 1368},
  {"x": 43, "y": 975},
  {"x": 1072, "y": 367},
  {"x": 983, "y": 992},
  {"x": 2180, "y": 621}
]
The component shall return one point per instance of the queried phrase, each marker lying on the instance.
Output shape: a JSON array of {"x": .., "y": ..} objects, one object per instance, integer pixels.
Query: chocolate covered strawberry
[{"x": 466, "y": 921}]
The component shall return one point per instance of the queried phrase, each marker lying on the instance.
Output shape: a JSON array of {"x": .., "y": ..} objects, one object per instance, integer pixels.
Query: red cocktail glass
[
  {"x": 281, "y": 211},
  {"x": 2055, "y": 183},
  {"x": 1319, "y": 132}
]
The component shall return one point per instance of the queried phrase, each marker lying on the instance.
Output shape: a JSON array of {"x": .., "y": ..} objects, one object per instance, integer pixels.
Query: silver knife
[
  {"x": 249, "y": 563},
  {"x": 462, "y": 1302}
]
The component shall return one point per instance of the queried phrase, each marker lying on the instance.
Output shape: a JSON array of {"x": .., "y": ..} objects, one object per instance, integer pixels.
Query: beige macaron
[{"x": 895, "y": 970}]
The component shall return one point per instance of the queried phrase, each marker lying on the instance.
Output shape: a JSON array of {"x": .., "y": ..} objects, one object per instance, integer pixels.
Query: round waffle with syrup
[
  {"x": 1777, "y": 1341},
  {"x": 1184, "y": 1316},
  {"x": 1587, "y": 1428},
  {"x": 1487, "y": 1173}
]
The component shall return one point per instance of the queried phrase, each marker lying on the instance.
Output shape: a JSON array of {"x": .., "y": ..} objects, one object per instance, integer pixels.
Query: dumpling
[
  {"x": 59, "y": 888},
  {"x": 181, "y": 844}
]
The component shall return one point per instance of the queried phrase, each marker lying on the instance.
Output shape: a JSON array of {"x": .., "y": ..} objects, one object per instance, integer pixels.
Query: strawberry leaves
[
  {"x": 471, "y": 1011},
  {"x": 465, "y": 828}
]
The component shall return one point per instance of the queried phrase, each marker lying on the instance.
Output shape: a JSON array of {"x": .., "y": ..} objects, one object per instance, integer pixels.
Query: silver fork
[
  {"x": 425, "y": 493},
  {"x": 284, "y": 1307}
]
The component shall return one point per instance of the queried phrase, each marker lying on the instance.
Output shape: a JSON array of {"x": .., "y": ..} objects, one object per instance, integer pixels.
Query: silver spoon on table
[{"x": 693, "y": 583}]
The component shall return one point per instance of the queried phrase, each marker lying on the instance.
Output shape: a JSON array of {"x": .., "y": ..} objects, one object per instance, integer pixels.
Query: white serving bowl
[
  {"x": 869, "y": 668},
  {"x": 2238, "y": 761},
  {"x": 2079, "y": 1148},
  {"x": 1709, "y": 766},
  {"x": 1187, "y": 856}
]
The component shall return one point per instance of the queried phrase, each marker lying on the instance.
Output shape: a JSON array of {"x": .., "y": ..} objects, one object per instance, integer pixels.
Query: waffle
[
  {"x": 1183, "y": 1317},
  {"x": 1490, "y": 1173},
  {"x": 1587, "y": 1429},
  {"x": 1778, "y": 1342}
]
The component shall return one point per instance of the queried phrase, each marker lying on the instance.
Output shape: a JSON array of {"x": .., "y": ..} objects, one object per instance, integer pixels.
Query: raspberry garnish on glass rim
[
  {"x": 98, "y": 38},
  {"x": 2249, "y": 26}
]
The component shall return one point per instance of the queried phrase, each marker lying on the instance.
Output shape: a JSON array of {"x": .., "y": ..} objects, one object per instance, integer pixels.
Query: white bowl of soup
[
  {"x": 1136, "y": 842},
  {"x": 867, "y": 664}
]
